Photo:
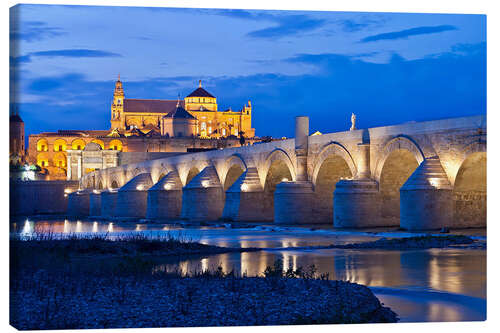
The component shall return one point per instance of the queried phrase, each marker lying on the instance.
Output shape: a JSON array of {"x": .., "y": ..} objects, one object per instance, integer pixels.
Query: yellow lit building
[
  {"x": 142, "y": 129},
  {"x": 146, "y": 114}
]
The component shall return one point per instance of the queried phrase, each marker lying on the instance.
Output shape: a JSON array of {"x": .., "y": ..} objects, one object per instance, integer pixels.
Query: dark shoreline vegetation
[{"x": 95, "y": 282}]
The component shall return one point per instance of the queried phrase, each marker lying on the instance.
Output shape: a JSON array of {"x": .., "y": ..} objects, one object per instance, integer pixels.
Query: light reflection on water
[{"x": 423, "y": 272}]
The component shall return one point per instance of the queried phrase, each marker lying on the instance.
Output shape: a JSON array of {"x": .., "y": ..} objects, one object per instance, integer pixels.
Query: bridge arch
[
  {"x": 399, "y": 158},
  {"x": 400, "y": 142},
  {"x": 189, "y": 173},
  {"x": 332, "y": 164},
  {"x": 159, "y": 174},
  {"x": 333, "y": 148},
  {"x": 469, "y": 190},
  {"x": 234, "y": 166},
  {"x": 278, "y": 167},
  {"x": 277, "y": 155},
  {"x": 114, "y": 183}
]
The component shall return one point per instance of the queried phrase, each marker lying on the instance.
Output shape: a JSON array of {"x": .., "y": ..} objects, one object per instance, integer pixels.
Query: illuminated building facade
[
  {"x": 142, "y": 129},
  {"x": 147, "y": 114}
]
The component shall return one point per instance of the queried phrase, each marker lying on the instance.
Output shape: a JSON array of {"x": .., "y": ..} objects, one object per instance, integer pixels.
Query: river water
[{"x": 419, "y": 285}]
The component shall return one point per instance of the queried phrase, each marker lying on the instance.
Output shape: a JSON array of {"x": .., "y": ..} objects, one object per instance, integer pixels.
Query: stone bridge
[{"x": 418, "y": 175}]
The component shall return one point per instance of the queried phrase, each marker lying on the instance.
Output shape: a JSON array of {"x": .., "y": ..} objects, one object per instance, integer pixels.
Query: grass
[{"x": 104, "y": 244}]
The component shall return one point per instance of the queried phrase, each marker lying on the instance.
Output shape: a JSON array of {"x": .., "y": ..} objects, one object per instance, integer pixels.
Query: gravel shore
[
  {"x": 76, "y": 283},
  {"x": 43, "y": 302}
]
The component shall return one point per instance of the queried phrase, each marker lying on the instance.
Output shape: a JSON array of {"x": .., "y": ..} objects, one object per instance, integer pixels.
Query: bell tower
[{"x": 117, "y": 117}]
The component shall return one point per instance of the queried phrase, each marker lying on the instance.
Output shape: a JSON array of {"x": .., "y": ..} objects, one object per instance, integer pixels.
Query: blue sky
[{"x": 388, "y": 68}]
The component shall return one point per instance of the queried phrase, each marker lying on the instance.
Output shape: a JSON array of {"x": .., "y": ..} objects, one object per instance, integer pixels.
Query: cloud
[
  {"x": 287, "y": 26},
  {"x": 20, "y": 59},
  {"x": 408, "y": 32},
  {"x": 69, "y": 53},
  {"x": 31, "y": 31},
  {"x": 362, "y": 22},
  {"x": 75, "y": 53}
]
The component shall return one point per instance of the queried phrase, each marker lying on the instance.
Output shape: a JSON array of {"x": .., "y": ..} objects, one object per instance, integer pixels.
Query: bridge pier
[
  {"x": 108, "y": 203},
  {"x": 356, "y": 204},
  {"x": 95, "y": 203},
  {"x": 244, "y": 199},
  {"x": 133, "y": 196},
  {"x": 203, "y": 197},
  {"x": 78, "y": 203},
  {"x": 426, "y": 199},
  {"x": 293, "y": 203},
  {"x": 165, "y": 198}
]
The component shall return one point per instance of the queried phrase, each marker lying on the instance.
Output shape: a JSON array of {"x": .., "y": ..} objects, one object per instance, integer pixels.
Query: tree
[{"x": 242, "y": 138}]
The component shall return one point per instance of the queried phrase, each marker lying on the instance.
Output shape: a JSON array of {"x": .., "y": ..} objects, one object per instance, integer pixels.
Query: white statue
[{"x": 353, "y": 122}]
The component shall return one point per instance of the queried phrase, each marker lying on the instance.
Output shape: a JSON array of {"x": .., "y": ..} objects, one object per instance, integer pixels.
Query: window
[
  {"x": 115, "y": 147},
  {"x": 79, "y": 147},
  {"x": 203, "y": 126},
  {"x": 60, "y": 148},
  {"x": 223, "y": 132},
  {"x": 209, "y": 130}
]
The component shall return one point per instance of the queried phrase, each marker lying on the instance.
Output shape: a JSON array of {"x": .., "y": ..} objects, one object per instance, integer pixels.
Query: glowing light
[
  {"x": 284, "y": 179},
  {"x": 110, "y": 227},
  {"x": 434, "y": 182},
  {"x": 95, "y": 227},
  {"x": 96, "y": 191},
  {"x": 204, "y": 264},
  {"x": 28, "y": 228},
  {"x": 244, "y": 187},
  {"x": 205, "y": 183},
  {"x": 138, "y": 227},
  {"x": 140, "y": 187},
  {"x": 67, "y": 190},
  {"x": 66, "y": 227},
  {"x": 78, "y": 226},
  {"x": 167, "y": 187},
  {"x": 65, "y": 195}
]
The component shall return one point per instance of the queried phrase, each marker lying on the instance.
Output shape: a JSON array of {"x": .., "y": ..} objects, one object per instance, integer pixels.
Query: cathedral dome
[{"x": 200, "y": 92}]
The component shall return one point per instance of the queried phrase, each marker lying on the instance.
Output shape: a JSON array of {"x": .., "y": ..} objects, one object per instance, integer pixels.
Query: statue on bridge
[{"x": 353, "y": 122}]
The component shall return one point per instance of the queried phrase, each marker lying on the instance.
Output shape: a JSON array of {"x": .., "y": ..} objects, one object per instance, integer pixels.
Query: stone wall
[{"x": 39, "y": 197}]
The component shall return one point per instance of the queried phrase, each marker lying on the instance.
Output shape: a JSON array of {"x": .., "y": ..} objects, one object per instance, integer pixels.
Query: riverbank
[{"x": 98, "y": 283}]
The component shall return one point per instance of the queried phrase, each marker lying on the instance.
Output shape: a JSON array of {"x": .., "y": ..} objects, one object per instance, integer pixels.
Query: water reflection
[
  {"x": 455, "y": 271},
  {"x": 411, "y": 270}
]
